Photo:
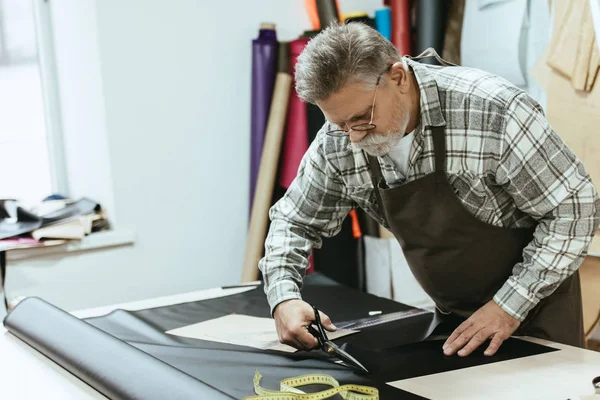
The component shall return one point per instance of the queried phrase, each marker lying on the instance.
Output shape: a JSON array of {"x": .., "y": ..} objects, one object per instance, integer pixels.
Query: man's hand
[
  {"x": 490, "y": 321},
  {"x": 291, "y": 319}
]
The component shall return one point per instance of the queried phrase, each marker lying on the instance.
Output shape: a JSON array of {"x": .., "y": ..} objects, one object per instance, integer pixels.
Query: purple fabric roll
[{"x": 264, "y": 56}]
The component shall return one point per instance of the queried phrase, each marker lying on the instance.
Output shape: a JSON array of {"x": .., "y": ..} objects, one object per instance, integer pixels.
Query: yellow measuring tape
[{"x": 288, "y": 389}]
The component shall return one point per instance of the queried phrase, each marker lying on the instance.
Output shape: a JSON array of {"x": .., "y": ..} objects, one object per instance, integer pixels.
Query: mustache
[
  {"x": 370, "y": 140},
  {"x": 376, "y": 141}
]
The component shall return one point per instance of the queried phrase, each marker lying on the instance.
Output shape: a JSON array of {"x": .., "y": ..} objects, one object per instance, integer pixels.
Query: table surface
[{"x": 561, "y": 375}]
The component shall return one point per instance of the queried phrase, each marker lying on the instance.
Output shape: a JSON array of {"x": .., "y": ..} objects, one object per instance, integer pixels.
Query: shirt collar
[{"x": 431, "y": 108}]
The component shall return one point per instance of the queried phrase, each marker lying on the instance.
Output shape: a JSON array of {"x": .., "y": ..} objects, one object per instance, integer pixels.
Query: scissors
[{"x": 330, "y": 348}]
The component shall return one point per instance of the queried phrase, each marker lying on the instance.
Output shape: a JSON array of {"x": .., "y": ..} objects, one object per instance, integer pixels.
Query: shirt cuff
[
  {"x": 281, "y": 291},
  {"x": 515, "y": 299}
]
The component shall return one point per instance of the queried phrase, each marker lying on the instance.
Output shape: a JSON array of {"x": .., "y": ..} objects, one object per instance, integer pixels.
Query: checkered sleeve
[
  {"x": 314, "y": 206},
  {"x": 548, "y": 182}
]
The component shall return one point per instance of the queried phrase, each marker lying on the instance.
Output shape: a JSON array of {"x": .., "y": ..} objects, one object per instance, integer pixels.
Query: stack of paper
[{"x": 243, "y": 330}]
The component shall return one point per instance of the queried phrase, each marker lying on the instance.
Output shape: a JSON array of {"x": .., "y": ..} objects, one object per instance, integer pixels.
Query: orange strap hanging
[{"x": 356, "y": 231}]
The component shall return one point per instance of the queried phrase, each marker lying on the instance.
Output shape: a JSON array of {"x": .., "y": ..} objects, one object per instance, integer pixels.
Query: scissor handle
[{"x": 320, "y": 332}]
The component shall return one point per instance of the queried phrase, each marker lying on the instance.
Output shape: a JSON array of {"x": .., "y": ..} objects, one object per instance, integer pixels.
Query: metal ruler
[{"x": 382, "y": 319}]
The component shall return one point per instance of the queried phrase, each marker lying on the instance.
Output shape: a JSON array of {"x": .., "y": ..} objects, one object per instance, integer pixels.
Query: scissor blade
[{"x": 336, "y": 351}]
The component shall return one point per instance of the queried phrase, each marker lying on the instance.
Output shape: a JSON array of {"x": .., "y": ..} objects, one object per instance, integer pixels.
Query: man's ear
[{"x": 400, "y": 76}]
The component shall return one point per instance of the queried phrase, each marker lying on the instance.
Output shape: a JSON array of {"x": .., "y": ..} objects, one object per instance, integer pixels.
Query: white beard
[{"x": 377, "y": 144}]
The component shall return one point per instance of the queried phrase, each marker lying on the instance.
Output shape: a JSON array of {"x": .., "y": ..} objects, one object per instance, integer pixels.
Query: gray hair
[{"x": 342, "y": 54}]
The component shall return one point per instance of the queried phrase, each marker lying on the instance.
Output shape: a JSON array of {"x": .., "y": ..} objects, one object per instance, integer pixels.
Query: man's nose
[{"x": 356, "y": 136}]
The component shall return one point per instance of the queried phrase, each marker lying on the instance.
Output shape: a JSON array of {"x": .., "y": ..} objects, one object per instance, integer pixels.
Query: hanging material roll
[
  {"x": 432, "y": 16},
  {"x": 328, "y": 12},
  {"x": 359, "y": 17},
  {"x": 264, "y": 52},
  {"x": 296, "y": 137},
  {"x": 383, "y": 22},
  {"x": 400, "y": 12},
  {"x": 313, "y": 15},
  {"x": 452, "y": 37},
  {"x": 265, "y": 183}
]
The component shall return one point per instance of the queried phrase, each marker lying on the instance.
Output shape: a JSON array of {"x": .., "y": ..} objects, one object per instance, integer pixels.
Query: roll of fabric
[
  {"x": 432, "y": 16},
  {"x": 401, "y": 25},
  {"x": 265, "y": 183},
  {"x": 452, "y": 37},
  {"x": 296, "y": 136},
  {"x": 310, "y": 34},
  {"x": 328, "y": 12},
  {"x": 264, "y": 53},
  {"x": 383, "y": 22},
  {"x": 359, "y": 17},
  {"x": 313, "y": 15},
  {"x": 112, "y": 367}
]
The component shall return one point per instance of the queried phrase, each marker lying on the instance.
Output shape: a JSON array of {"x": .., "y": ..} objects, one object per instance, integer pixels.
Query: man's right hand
[{"x": 292, "y": 317}]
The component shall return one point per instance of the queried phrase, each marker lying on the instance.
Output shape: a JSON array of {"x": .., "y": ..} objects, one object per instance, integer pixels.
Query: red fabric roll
[
  {"x": 296, "y": 135},
  {"x": 400, "y": 10}
]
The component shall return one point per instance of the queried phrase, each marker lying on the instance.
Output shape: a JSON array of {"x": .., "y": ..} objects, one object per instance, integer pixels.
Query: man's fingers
[
  {"x": 475, "y": 342},
  {"x": 497, "y": 341},
  {"x": 306, "y": 339},
  {"x": 326, "y": 322},
  {"x": 462, "y": 339},
  {"x": 299, "y": 338},
  {"x": 457, "y": 332}
]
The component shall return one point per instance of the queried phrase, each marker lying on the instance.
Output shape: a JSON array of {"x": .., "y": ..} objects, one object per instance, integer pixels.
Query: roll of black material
[
  {"x": 114, "y": 368},
  {"x": 328, "y": 12},
  {"x": 432, "y": 16}
]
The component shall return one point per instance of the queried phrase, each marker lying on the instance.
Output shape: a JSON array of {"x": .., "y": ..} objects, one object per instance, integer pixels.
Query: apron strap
[
  {"x": 430, "y": 52},
  {"x": 439, "y": 148},
  {"x": 376, "y": 177}
]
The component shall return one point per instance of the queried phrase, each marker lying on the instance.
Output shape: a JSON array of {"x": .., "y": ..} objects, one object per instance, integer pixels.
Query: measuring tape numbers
[{"x": 288, "y": 389}]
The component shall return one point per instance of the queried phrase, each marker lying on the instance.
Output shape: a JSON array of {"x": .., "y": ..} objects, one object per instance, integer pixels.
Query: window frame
[{"x": 52, "y": 111}]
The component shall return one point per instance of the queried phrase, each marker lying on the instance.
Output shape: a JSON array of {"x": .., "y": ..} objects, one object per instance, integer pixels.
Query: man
[{"x": 493, "y": 211}]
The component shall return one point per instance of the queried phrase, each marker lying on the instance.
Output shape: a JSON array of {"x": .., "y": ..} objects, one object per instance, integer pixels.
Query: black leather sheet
[{"x": 229, "y": 369}]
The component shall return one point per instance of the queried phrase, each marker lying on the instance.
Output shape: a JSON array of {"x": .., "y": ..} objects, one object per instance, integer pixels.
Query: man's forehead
[{"x": 346, "y": 103}]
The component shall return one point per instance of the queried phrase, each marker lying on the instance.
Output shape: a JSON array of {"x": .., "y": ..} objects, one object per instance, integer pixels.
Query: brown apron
[{"x": 460, "y": 261}]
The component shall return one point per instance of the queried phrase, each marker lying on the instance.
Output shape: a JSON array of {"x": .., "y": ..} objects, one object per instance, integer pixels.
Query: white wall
[{"x": 156, "y": 95}]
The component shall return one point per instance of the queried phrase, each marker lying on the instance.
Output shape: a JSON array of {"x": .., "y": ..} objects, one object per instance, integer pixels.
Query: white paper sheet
[
  {"x": 243, "y": 330},
  {"x": 494, "y": 37}
]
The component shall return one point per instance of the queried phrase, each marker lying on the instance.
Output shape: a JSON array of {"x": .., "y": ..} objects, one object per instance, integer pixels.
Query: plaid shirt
[{"x": 506, "y": 164}]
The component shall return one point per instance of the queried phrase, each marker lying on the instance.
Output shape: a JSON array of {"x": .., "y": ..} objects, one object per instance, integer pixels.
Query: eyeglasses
[{"x": 361, "y": 127}]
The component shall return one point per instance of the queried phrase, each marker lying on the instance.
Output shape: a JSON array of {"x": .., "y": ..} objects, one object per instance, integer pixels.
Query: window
[{"x": 26, "y": 170}]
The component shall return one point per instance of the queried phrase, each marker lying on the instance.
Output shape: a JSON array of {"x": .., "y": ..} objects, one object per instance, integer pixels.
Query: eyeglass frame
[{"x": 361, "y": 127}]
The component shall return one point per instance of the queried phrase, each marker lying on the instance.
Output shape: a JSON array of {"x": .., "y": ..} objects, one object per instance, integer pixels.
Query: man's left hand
[{"x": 490, "y": 321}]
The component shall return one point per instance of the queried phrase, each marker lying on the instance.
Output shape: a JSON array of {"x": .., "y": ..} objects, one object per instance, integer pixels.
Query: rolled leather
[{"x": 112, "y": 367}]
